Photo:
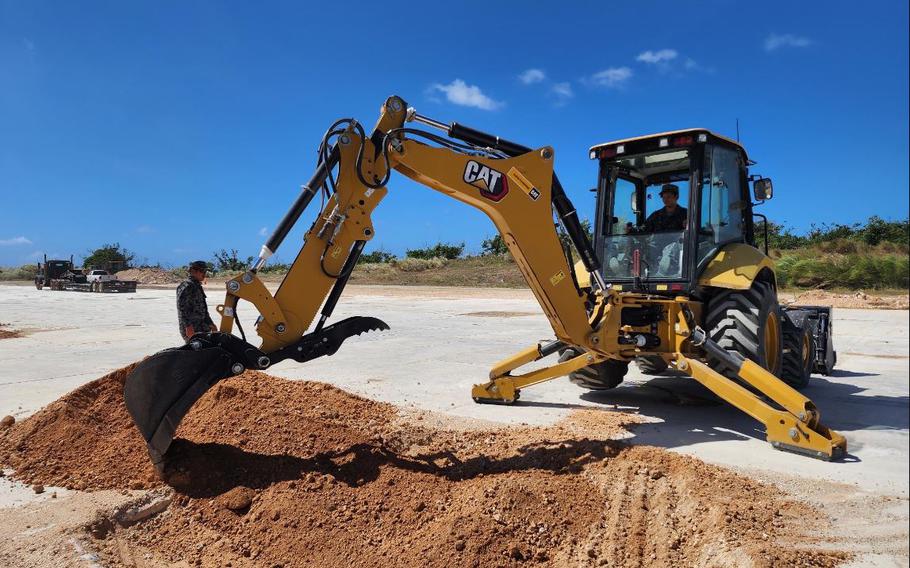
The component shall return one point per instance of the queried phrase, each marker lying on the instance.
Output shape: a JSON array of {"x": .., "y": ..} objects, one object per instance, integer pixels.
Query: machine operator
[{"x": 672, "y": 216}]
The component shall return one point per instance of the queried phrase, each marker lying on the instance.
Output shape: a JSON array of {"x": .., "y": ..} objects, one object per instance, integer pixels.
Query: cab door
[{"x": 723, "y": 204}]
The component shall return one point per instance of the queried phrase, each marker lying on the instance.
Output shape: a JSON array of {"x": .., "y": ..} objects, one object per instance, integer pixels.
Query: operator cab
[{"x": 667, "y": 203}]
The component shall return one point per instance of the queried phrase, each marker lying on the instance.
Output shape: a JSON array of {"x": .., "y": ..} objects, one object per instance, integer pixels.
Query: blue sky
[{"x": 178, "y": 128}]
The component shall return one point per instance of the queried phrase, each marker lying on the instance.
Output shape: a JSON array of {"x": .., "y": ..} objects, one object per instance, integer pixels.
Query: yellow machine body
[{"x": 735, "y": 266}]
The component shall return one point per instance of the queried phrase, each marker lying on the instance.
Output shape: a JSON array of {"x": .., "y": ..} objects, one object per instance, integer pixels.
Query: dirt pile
[
  {"x": 858, "y": 299},
  {"x": 153, "y": 276},
  {"x": 8, "y": 333},
  {"x": 269, "y": 472},
  {"x": 83, "y": 440}
]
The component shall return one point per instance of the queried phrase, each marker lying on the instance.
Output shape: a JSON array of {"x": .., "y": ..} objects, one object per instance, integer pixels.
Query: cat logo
[{"x": 492, "y": 184}]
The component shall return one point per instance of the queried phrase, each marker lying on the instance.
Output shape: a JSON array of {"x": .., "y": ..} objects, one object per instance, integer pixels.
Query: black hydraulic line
[
  {"x": 729, "y": 359},
  {"x": 306, "y": 195},
  {"x": 340, "y": 283},
  {"x": 564, "y": 208},
  {"x": 484, "y": 140},
  {"x": 237, "y": 321},
  {"x": 550, "y": 347},
  {"x": 569, "y": 217}
]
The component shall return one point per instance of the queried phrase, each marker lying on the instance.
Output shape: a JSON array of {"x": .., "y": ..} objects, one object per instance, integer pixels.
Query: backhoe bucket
[{"x": 162, "y": 389}]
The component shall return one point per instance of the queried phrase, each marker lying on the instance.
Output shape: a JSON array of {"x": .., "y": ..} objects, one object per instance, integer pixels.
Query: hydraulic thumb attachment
[{"x": 162, "y": 388}]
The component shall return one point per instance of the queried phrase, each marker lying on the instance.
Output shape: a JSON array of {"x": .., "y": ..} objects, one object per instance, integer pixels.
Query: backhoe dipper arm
[{"x": 515, "y": 193}]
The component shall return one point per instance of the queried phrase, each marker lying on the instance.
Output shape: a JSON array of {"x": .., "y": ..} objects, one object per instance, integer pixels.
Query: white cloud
[
  {"x": 661, "y": 56},
  {"x": 532, "y": 76},
  {"x": 563, "y": 92},
  {"x": 460, "y": 93},
  {"x": 144, "y": 229},
  {"x": 775, "y": 41},
  {"x": 263, "y": 232},
  {"x": 15, "y": 241},
  {"x": 672, "y": 62},
  {"x": 611, "y": 77}
]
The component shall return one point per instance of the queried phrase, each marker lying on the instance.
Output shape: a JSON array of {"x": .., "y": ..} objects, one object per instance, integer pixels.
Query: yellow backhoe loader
[{"x": 701, "y": 300}]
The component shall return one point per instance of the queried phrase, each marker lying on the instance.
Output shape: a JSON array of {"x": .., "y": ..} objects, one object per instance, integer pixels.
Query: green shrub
[
  {"x": 875, "y": 231},
  {"x": 276, "y": 268},
  {"x": 24, "y": 272},
  {"x": 439, "y": 250},
  {"x": 493, "y": 245},
  {"x": 376, "y": 257},
  {"x": 809, "y": 269},
  {"x": 228, "y": 261},
  {"x": 110, "y": 257}
]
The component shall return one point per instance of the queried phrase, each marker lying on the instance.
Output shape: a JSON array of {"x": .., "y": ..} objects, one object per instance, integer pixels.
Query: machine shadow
[
  {"x": 843, "y": 407},
  {"x": 201, "y": 470},
  {"x": 845, "y": 374}
]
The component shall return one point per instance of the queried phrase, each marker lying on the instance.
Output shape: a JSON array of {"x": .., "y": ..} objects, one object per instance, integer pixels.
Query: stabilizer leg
[
  {"x": 796, "y": 428},
  {"x": 505, "y": 388}
]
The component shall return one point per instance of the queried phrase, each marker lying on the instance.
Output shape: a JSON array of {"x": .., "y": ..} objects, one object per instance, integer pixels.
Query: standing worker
[{"x": 192, "y": 311}]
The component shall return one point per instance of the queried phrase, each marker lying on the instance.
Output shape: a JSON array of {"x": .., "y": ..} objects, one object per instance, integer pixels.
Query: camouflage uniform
[
  {"x": 192, "y": 308},
  {"x": 661, "y": 221}
]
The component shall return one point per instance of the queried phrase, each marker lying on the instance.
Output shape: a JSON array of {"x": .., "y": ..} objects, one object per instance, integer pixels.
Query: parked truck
[{"x": 63, "y": 275}]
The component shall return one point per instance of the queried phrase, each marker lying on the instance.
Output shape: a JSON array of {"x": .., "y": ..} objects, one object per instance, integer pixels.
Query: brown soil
[
  {"x": 858, "y": 299},
  {"x": 7, "y": 333},
  {"x": 269, "y": 472}
]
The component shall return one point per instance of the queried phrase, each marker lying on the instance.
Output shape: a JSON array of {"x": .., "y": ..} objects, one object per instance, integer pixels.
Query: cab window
[
  {"x": 623, "y": 214},
  {"x": 722, "y": 203}
]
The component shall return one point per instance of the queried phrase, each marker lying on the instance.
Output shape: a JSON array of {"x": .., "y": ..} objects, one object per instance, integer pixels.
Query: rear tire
[
  {"x": 798, "y": 350},
  {"x": 600, "y": 376},
  {"x": 651, "y": 364},
  {"x": 747, "y": 322}
]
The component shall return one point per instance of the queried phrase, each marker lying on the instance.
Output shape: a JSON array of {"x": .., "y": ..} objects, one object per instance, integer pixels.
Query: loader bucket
[{"x": 162, "y": 389}]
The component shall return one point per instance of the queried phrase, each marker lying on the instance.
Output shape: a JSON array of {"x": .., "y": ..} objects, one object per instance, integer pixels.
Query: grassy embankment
[{"x": 869, "y": 256}]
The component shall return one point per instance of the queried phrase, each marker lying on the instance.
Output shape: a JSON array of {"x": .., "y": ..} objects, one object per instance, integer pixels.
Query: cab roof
[{"x": 672, "y": 133}]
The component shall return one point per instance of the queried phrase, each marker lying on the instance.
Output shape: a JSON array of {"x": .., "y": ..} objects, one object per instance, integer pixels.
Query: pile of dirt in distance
[
  {"x": 269, "y": 472},
  {"x": 7, "y": 333},
  {"x": 152, "y": 276},
  {"x": 858, "y": 299}
]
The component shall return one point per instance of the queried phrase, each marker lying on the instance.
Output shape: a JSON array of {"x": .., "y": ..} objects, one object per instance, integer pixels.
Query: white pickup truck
[
  {"x": 99, "y": 276},
  {"x": 104, "y": 281}
]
